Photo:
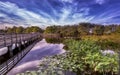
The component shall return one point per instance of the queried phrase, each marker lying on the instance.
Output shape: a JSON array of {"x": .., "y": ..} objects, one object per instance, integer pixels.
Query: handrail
[
  {"x": 10, "y": 63},
  {"x": 9, "y": 39}
]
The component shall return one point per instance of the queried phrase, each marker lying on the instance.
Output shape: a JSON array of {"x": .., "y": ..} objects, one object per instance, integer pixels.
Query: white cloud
[
  {"x": 69, "y": 1},
  {"x": 2, "y": 15},
  {"x": 31, "y": 18},
  {"x": 85, "y": 10},
  {"x": 28, "y": 17},
  {"x": 100, "y": 1},
  {"x": 65, "y": 14}
]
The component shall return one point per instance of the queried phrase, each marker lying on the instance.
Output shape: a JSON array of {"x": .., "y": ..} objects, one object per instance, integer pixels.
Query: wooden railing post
[
  {"x": 10, "y": 50},
  {"x": 16, "y": 38},
  {"x": 11, "y": 39},
  {"x": 4, "y": 40}
]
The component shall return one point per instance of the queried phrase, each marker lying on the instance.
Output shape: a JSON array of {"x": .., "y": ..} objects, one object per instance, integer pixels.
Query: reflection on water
[{"x": 32, "y": 59}]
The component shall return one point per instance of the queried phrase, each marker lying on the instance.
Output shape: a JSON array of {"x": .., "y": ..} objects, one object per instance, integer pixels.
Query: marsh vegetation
[{"x": 90, "y": 49}]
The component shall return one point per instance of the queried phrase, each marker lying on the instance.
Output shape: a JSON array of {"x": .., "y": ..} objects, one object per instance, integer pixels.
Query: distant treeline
[
  {"x": 82, "y": 29},
  {"x": 21, "y": 29},
  {"x": 68, "y": 30}
]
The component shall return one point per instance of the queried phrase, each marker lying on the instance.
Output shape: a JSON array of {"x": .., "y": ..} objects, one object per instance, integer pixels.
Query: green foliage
[
  {"x": 50, "y": 29},
  {"x": 33, "y": 29},
  {"x": 9, "y": 30},
  {"x": 117, "y": 30},
  {"x": 82, "y": 29},
  {"x": 108, "y": 44},
  {"x": 36, "y": 29},
  {"x": 54, "y": 40},
  {"x": 21, "y": 29},
  {"x": 28, "y": 30},
  {"x": 99, "y": 30},
  {"x": 85, "y": 56}
]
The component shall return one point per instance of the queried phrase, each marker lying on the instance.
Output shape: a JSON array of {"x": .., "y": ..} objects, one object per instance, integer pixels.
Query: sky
[{"x": 58, "y": 12}]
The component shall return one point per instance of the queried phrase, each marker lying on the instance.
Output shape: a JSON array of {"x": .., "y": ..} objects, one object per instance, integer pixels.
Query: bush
[{"x": 85, "y": 57}]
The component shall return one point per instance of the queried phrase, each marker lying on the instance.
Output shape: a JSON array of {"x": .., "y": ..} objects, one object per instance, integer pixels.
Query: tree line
[
  {"x": 20, "y": 30},
  {"x": 69, "y": 30},
  {"x": 83, "y": 29}
]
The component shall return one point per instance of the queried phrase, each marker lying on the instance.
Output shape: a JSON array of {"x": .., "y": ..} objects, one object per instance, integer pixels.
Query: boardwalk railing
[
  {"x": 9, "y": 39},
  {"x": 23, "y": 43}
]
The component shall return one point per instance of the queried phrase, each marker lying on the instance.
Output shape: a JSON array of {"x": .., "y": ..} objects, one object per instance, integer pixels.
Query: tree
[
  {"x": 19, "y": 30},
  {"x": 28, "y": 30},
  {"x": 98, "y": 30},
  {"x": 51, "y": 29},
  {"x": 84, "y": 28},
  {"x": 9, "y": 30},
  {"x": 117, "y": 29}
]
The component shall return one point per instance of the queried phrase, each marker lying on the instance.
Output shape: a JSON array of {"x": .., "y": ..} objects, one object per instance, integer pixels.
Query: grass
[{"x": 105, "y": 41}]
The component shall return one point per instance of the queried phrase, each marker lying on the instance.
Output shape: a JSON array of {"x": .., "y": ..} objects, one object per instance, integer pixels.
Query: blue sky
[{"x": 58, "y": 12}]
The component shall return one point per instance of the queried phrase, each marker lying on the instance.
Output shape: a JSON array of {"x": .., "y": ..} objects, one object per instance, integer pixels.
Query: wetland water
[
  {"x": 45, "y": 47},
  {"x": 32, "y": 59}
]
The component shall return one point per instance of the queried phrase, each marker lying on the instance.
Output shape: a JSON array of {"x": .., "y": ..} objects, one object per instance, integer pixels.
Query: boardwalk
[
  {"x": 13, "y": 48},
  {"x": 31, "y": 60},
  {"x": 8, "y": 39}
]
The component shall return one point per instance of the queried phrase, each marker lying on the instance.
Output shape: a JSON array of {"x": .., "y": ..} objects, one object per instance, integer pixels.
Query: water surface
[{"x": 32, "y": 60}]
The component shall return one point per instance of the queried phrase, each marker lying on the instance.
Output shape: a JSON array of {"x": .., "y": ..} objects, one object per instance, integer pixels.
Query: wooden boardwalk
[
  {"x": 9, "y": 39},
  {"x": 23, "y": 44}
]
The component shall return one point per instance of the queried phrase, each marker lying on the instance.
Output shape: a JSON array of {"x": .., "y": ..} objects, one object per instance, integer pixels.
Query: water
[{"x": 32, "y": 60}]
